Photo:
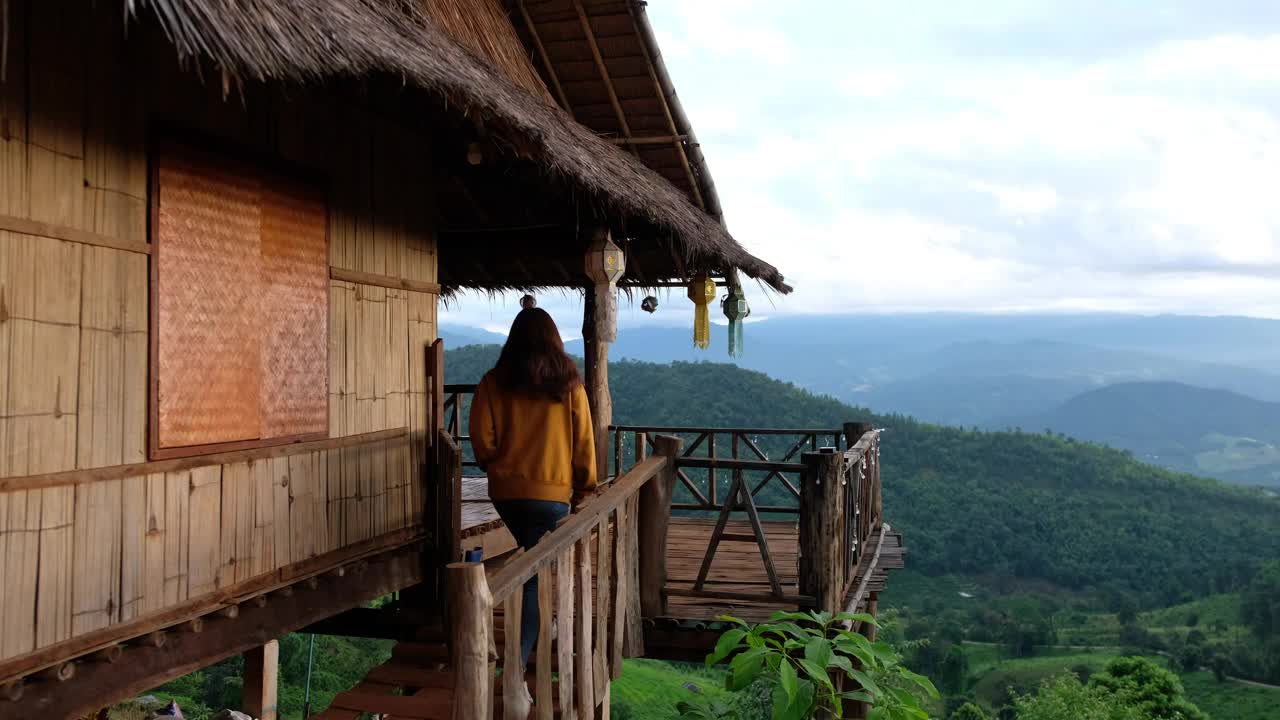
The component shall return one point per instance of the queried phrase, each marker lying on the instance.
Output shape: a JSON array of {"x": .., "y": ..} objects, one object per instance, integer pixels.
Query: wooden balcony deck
[{"x": 736, "y": 568}]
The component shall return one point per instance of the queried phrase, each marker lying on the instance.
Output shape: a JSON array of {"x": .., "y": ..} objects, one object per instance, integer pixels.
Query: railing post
[
  {"x": 617, "y": 454},
  {"x": 822, "y": 530},
  {"x": 470, "y": 612},
  {"x": 655, "y": 512},
  {"x": 878, "y": 503},
  {"x": 855, "y": 430}
]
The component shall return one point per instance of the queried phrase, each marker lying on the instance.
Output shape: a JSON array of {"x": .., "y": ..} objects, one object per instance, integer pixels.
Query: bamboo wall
[{"x": 77, "y": 107}]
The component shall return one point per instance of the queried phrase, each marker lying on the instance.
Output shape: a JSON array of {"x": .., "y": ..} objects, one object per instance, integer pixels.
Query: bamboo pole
[{"x": 471, "y": 608}]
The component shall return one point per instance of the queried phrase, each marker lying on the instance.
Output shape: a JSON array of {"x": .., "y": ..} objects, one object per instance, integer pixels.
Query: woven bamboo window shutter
[{"x": 239, "y": 304}]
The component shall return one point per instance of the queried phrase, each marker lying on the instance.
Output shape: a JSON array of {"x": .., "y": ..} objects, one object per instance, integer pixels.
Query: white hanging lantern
[{"x": 605, "y": 265}]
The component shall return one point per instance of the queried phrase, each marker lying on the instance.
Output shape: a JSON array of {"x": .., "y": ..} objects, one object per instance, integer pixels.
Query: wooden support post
[
  {"x": 261, "y": 671},
  {"x": 655, "y": 513},
  {"x": 642, "y": 447},
  {"x": 470, "y": 613},
  {"x": 596, "y": 359},
  {"x": 821, "y": 530},
  {"x": 873, "y": 607}
]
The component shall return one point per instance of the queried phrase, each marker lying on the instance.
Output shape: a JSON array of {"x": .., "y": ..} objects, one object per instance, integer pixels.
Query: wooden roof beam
[
  {"x": 666, "y": 111},
  {"x": 546, "y": 61},
  {"x": 604, "y": 71}
]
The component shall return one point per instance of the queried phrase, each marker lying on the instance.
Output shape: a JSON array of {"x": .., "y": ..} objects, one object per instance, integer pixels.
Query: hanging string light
[{"x": 702, "y": 290}]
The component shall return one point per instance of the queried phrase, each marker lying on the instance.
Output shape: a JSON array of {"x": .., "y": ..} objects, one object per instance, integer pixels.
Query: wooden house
[{"x": 225, "y": 231}]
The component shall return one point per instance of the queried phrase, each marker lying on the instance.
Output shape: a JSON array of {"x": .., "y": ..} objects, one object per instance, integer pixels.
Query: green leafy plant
[{"x": 815, "y": 666}]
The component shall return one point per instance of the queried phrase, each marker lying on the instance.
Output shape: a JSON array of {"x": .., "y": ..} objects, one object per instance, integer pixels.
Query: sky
[{"x": 986, "y": 155}]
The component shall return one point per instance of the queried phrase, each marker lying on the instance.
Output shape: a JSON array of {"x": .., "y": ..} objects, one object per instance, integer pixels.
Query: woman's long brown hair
[{"x": 533, "y": 360}]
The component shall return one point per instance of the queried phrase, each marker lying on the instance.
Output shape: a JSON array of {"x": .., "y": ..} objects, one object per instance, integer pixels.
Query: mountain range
[
  {"x": 1032, "y": 371},
  {"x": 1015, "y": 504}
]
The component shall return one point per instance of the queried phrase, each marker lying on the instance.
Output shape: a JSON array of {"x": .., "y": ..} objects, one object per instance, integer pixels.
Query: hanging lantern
[
  {"x": 604, "y": 265},
  {"x": 649, "y": 304},
  {"x": 702, "y": 290},
  {"x": 736, "y": 310},
  {"x": 528, "y": 301}
]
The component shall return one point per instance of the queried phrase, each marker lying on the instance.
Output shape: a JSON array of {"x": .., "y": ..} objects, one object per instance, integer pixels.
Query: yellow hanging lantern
[
  {"x": 605, "y": 265},
  {"x": 702, "y": 290}
]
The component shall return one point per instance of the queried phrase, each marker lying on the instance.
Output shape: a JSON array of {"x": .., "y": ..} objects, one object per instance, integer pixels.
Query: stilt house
[{"x": 225, "y": 229}]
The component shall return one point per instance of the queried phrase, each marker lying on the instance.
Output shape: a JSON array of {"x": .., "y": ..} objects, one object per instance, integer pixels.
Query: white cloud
[{"x": 947, "y": 160}]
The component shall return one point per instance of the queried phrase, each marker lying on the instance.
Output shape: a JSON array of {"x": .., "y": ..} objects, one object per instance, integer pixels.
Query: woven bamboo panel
[
  {"x": 207, "y": 297},
  {"x": 295, "y": 294}
]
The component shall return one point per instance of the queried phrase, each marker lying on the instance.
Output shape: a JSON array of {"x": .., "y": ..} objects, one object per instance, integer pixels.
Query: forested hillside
[{"x": 1030, "y": 506}]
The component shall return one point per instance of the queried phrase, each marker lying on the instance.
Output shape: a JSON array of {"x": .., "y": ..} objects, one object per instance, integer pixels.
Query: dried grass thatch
[
  {"x": 310, "y": 40},
  {"x": 483, "y": 27}
]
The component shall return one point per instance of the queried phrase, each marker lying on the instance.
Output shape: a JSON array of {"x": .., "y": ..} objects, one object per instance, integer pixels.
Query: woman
[{"x": 531, "y": 432}]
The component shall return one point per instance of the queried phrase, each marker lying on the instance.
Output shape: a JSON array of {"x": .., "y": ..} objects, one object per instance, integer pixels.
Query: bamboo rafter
[
  {"x": 546, "y": 61},
  {"x": 677, "y": 140},
  {"x": 604, "y": 71}
]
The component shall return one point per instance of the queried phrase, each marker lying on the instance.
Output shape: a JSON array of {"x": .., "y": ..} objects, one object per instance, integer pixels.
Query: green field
[
  {"x": 991, "y": 674},
  {"x": 650, "y": 689},
  {"x": 1231, "y": 701},
  {"x": 1215, "y": 610},
  {"x": 991, "y": 684}
]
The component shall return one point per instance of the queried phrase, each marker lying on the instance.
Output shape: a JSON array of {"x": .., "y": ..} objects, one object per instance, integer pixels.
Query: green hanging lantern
[{"x": 736, "y": 310}]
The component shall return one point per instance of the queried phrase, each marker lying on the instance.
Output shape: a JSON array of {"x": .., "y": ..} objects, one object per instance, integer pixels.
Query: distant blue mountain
[
  {"x": 456, "y": 336},
  {"x": 1208, "y": 432},
  {"x": 978, "y": 369}
]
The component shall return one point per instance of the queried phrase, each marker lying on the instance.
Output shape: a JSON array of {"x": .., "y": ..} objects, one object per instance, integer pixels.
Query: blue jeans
[{"x": 528, "y": 521}]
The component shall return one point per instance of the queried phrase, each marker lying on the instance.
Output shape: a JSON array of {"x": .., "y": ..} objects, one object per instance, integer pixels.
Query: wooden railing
[
  {"x": 455, "y": 396},
  {"x": 840, "y": 507},
  {"x": 744, "y": 453},
  {"x": 619, "y": 539}
]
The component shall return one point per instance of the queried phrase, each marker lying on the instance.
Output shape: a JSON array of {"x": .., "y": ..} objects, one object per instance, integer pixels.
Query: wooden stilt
[{"x": 261, "y": 671}]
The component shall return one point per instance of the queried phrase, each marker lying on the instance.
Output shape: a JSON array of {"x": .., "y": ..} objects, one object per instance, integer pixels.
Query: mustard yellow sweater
[{"x": 533, "y": 448}]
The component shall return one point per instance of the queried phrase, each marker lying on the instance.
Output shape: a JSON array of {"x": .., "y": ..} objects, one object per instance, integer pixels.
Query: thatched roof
[{"x": 309, "y": 40}]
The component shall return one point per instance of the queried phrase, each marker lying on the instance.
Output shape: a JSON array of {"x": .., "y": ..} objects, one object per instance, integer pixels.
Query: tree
[
  {"x": 1260, "y": 606},
  {"x": 954, "y": 670},
  {"x": 1146, "y": 687},
  {"x": 1066, "y": 698},
  {"x": 968, "y": 711}
]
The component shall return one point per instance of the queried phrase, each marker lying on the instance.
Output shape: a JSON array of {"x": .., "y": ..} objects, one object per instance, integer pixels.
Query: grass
[
  {"x": 1231, "y": 701},
  {"x": 650, "y": 689},
  {"x": 991, "y": 673},
  {"x": 1208, "y": 612},
  {"x": 1024, "y": 675}
]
